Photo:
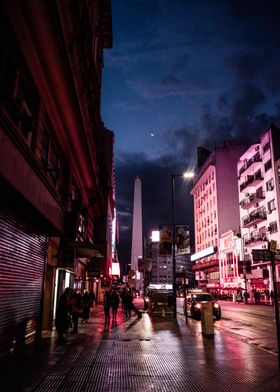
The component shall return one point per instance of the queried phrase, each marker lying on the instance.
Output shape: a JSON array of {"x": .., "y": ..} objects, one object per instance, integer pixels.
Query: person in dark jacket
[
  {"x": 76, "y": 309},
  {"x": 128, "y": 304},
  {"x": 107, "y": 305},
  {"x": 115, "y": 300},
  {"x": 62, "y": 315},
  {"x": 86, "y": 306}
]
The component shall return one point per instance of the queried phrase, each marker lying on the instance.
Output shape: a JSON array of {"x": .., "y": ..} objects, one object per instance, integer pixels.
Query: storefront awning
[
  {"x": 72, "y": 250},
  {"x": 207, "y": 264},
  {"x": 87, "y": 250}
]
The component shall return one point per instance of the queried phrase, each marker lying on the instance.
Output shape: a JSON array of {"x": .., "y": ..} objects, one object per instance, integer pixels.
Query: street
[
  {"x": 148, "y": 354},
  {"x": 253, "y": 324}
]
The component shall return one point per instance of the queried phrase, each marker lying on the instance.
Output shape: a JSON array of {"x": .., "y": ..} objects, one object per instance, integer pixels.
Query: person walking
[
  {"x": 61, "y": 317},
  {"x": 122, "y": 295},
  {"x": 107, "y": 305},
  {"x": 128, "y": 303},
  {"x": 115, "y": 300},
  {"x": 86, "y": 306},
  {"x": 92, "y": 300},
  {"x": 76, "y": 305}
]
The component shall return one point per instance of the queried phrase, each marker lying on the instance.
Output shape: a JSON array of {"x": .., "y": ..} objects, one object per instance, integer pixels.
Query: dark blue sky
[{"x": 191, "y": 73}]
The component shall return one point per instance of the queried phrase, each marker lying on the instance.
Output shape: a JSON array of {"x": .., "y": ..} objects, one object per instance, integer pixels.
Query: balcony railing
[
  {"x": 254, "y": 218},
  {"x": 255, "y": 240},
  {"x": 252, "y": 181},
  {"x": 252, "y": 199},
  {"x": 255, "y": 159}
]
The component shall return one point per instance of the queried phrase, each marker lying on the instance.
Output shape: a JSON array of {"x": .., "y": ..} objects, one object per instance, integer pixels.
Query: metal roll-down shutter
[{"x": 22, "y": 264}]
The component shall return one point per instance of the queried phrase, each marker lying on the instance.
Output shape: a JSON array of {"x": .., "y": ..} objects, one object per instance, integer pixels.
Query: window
[
  {"x": 272, "y": 228},
  {"x": 267, "y": 165},
  {"x": 270, "y": 185},
  {"x": 266, "y": 147},
  {"x": 271, "y": 205}
]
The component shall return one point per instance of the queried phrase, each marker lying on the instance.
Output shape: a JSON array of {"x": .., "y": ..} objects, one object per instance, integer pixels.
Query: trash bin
[{"x": 207, "y": 325}]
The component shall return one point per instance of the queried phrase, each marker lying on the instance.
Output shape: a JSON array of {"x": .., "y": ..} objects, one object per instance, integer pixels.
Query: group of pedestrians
[
  {"x": 268, "y": 296},
  {"x": 71, "y": 307},
  {"x": 111, "y": 301}
]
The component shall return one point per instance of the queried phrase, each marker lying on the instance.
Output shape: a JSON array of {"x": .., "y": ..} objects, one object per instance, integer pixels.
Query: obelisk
[{"x": 137, "y": 236}]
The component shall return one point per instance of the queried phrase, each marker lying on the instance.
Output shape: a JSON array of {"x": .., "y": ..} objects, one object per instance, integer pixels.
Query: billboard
[
  {"x": 182, "y": 239},
  {"x": 165, "y": 240}
]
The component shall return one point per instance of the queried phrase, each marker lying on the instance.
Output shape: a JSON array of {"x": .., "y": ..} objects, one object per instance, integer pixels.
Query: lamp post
[{"x": 184, "y": 175}]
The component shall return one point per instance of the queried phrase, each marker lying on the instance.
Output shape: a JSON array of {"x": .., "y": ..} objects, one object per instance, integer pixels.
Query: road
[{"x": 253, "y": 324}]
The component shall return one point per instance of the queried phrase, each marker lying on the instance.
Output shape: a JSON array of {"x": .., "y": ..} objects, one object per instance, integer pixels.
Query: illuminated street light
[{"x": 184, "y": 175}]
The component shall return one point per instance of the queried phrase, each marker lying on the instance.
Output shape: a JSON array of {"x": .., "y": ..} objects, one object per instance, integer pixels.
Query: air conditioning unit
[
  {"x": 256, "y": 205},
  {"x": 255, "y": 226}
]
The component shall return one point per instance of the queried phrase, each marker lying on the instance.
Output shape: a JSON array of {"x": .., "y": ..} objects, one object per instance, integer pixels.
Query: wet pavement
[{"x": 141, "y": 354}]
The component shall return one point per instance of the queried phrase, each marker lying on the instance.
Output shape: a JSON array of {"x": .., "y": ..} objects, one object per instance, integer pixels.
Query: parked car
[
  {"x": 160, "y": 303},
  {"x": 192, "y": 305}
]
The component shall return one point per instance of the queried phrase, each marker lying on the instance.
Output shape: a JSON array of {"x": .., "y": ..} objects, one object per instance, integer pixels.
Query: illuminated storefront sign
[{"x": 203, "y": 253}]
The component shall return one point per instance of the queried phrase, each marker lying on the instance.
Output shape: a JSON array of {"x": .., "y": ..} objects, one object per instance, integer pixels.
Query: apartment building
[
  {"x": 258, "y": 184},
  {"x": 216, "y": 210}
]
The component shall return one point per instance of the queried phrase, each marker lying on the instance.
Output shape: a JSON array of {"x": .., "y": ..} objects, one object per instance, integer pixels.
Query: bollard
[{"x": 207, "y": 324}]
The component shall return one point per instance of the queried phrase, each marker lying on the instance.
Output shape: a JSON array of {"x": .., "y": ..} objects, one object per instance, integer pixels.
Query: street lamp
[{"x": 184, "y": 175}]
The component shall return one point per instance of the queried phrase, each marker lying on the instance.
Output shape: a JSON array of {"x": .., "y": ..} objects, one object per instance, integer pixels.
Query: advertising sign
[
  {"x": 165, "y": 240},
  {"x": 182, "y": 239}
]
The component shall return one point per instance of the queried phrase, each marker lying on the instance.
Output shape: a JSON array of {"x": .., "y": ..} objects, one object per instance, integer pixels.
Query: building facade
[
  {"x": 160, "y": 255},
  {"x": 56, "y": 161},
  {"x": 216, "y": 210},
  {"x": 258, "y": 183}
]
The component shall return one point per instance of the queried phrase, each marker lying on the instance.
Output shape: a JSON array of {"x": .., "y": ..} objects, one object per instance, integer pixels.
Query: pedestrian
[
  {"x": 255, "y": 296},
  {"x": 128, "y": 303},
  {"x": 115, "y": 300},
  {"x": 86, "y": 306},
  {"x": 76, "y": 305},
  {"x": 122, "y": 295},
  {"x": 92, "y": 300},
  {"x": 258, "y": 297},
  {"x": 61, "y": 317},
  {"x": 107, "y": 305}
]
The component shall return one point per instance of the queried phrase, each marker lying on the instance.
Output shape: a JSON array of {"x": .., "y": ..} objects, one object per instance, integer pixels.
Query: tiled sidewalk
[{"x": 142, "y": 355}]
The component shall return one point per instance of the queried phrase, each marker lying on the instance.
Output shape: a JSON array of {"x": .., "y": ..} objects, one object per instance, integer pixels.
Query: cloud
[{"x": 170, "y": 80}]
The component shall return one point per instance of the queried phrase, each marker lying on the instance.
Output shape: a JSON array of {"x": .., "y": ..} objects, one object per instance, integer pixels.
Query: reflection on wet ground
[{"x": 143, "y": 354}]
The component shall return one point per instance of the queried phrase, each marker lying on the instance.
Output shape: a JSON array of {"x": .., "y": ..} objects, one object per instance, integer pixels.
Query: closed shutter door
[{"x": 22, "y": 262}]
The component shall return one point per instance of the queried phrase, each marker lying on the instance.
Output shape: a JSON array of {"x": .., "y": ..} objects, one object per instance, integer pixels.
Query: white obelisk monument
[{"x": 137, "y": 235}]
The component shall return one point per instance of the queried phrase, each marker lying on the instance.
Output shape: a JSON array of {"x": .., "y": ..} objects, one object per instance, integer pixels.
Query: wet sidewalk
[{"x": 142, "y": 355}]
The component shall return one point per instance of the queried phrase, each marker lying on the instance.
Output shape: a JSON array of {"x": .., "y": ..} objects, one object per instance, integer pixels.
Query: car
[
  {"x": 160, "y": 303},
  {"x": 192, "y": 305},
  {"x": 180, "y": 294}
]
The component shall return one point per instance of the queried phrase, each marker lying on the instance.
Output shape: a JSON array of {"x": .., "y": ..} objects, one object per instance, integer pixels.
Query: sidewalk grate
[{"x": 141, "y": 356}]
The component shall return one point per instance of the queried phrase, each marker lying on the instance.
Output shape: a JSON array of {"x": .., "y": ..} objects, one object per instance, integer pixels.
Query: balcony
[
  {"x": 252, "y": 181},
  {"x": 252, "y": 199},
  {"x": 255, "y": 240},
  {"x": 251, "y": 163},
  {"x": 254, "y": 218}
]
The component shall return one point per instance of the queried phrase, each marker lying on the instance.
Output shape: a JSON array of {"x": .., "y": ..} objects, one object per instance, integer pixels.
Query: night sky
[{"x": 183, "y": 74}]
